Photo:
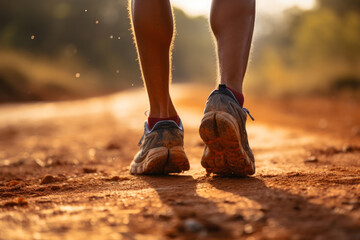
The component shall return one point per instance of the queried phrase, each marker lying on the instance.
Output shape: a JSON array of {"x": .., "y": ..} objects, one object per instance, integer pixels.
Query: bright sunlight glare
[{"x": 202, "y": 7}]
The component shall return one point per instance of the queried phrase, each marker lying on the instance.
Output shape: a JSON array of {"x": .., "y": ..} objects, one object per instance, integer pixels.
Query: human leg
[
  {"x": 227, "y": 151},
  {"x": 232, "y": 22},
  {"x": 161, "y": 147},
  {"x": 153, "y": 27}
]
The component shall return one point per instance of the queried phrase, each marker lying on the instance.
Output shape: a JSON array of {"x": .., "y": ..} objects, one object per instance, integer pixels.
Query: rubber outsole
[
  {"x": 225, "y": 154},
  {"x": 162, "y": 160}
]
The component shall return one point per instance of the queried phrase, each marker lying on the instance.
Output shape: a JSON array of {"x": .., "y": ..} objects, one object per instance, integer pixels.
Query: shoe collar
[
  {"x": 160, "y": 124},
  {"x": 222, "y": 89},
  {"x": 164, "y": 123}
]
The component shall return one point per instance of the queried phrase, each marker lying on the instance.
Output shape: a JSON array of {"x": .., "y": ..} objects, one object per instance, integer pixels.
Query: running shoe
[
  {"x": 227, "y": 150},
  {"x": 161, "y": 150}
]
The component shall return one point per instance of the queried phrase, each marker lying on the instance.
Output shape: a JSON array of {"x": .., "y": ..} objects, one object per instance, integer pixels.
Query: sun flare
[{"x": 202, "y": 7}]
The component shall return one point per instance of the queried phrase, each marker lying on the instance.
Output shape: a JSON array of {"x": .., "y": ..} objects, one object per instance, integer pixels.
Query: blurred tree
[
  {"x": 315, "y": 50},
  {"x": 194, "y": 56},
  {"x": 340, "y": 6},
  {"x": 306, "y": 51},
  {"x": 97, "y": 33}
]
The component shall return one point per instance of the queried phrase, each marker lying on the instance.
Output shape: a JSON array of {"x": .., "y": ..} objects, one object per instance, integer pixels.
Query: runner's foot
[
  {"x": 162, "y": 150},
  {"x": 227, "y": 151}
]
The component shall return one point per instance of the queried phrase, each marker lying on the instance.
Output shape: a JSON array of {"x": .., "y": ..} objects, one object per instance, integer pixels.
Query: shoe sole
[
  {"x": 162, "y": 160},
  {"x": 221, "y": 133}
]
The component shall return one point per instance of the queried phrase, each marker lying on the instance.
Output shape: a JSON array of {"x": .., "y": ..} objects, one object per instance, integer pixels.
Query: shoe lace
[
  {"x": 248, "y": 113},
  {"x": 141, "y": 140},
  {"x": 146, "y": 113}
]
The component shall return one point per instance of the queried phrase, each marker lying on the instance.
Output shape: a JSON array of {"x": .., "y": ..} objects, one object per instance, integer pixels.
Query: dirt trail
[{"x": 64, "y": 173}]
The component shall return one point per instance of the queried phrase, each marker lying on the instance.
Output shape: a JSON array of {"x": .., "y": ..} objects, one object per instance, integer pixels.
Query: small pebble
[
  {"x": 18, "y": 202},
  {"x": 92, "y": 198},
  {"x": 350, "y": 149},
  {"x": 117, "y": 178},
  {"x": 113, "y": 146},
  {"x": 12, "y": 183},
  {"x": 89, "y": 170},
  {"x": 54, "y": 188},
  {"x": 48, "y": 179},
  {"x": 312, "y": 159},
  {"x": 237, "y": 217},
  {"x": 248, "y": 229},
  {"x": 191, "y": 225}
]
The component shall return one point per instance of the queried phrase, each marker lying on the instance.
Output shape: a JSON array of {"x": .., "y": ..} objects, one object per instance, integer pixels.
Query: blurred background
[{"x": 67, "y": 49}]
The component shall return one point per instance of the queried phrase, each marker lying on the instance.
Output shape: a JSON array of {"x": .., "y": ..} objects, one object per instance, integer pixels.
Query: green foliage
[
  {"x": 97, "y": 34},
  {"x": 194, "y": 56},
  {"x": 340, "y": 6},
  {"x": 29, "y": 77},
  {"x": 67, "y": 29},
  {"x": 308, "y": 51},
  {"x": 317, "y": 49}
]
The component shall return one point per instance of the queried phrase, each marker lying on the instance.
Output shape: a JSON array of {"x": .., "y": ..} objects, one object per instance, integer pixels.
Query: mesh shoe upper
[
  {"x": 164, "y": 134},
  {"x": 224, "y": 100}
]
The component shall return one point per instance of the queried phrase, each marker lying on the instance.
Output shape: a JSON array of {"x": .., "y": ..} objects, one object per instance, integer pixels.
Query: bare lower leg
[
  {"x": 232, "y": 22},
  {"x": 152, "y": 23}
]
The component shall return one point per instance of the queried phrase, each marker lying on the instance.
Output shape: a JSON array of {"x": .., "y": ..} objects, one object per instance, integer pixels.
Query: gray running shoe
[
  {"x": 162, "y": 150},
  {"x": 227, "y": 151}
]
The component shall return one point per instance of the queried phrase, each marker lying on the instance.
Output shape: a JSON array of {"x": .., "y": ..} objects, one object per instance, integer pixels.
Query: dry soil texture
[{"x": 64, "y": 173}]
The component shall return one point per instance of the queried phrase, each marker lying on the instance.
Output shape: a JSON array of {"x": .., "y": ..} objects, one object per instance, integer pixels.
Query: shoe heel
[
  {"x": 220, "y": 132},
  {"x": 177, "y": 161},
  {"x": 225, "y": 155}
]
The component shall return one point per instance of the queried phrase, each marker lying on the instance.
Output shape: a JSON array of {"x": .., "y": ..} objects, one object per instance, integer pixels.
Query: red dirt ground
[{"x": 64, "y": 173}]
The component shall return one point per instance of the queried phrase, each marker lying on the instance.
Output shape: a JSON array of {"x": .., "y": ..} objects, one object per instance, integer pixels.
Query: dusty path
[{"x": 64, "y": 173}]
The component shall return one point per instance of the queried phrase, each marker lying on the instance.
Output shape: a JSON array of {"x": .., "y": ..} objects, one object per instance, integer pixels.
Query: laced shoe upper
[
  {"x": 164, "y": 134},
  {"x": 223, "y": 99}
]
